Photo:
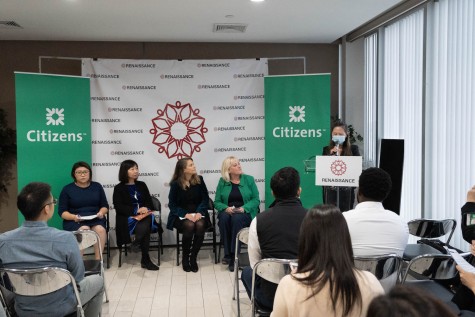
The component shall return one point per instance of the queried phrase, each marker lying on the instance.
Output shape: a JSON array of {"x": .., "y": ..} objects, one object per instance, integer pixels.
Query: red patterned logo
[
  {"x": 338, "y": 167},
  {"x": 178, "y": 130}
]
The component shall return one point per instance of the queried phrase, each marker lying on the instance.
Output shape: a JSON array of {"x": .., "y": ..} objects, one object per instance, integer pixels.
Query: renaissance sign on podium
[{"x": 338, "y": 170}]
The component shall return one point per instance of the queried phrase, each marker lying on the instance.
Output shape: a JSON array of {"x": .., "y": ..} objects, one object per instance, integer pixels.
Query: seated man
[
  {"x": 274, "y": 233},
  {"x": 35, "y": 245},
  {"x": 373, "y": 229}
]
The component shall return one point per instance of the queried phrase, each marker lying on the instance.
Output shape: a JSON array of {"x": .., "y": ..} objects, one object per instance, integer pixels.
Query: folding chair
[
  {"x": 38, "y": 282},
  {"x": 434, "y": 273},
  {"x": 158, "y": 219},
  {"x": 108, "y": 242},
  {"x": 271, "y": 270},
  {"x": 385, "y": 267},
  {"x": 90, "y": 239},
  {"x": 430, "y": 231},
  {"x": 211, "y": 229},
  {"x": 241, "y": 260}
]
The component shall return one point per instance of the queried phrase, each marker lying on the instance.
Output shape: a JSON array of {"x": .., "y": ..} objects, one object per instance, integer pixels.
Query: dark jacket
[
  {"x": 124, "y": 208},
  {"x": 278, "y": 230},
  {"x": 177, "y": 202},
  {"x": 468, "y": 232},
  {"x": 355, "y": 151}
]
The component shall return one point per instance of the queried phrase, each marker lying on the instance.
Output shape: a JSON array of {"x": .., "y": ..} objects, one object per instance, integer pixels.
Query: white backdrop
[{"x": 156, "y": 111}]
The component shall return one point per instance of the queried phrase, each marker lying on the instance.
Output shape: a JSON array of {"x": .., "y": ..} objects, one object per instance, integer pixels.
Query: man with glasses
[{"x": 35, "y": 245}]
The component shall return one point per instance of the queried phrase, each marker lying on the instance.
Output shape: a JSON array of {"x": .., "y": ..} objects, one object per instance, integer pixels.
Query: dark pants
[
  {"x": 142, "y": 234},
  {"x": 262, "y": 300},
  {"x": 229, "y": 226}
]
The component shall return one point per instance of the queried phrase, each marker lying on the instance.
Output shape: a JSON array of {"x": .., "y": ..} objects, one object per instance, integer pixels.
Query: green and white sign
[
  {"x": 297, "y": 127},
  {"x": 53, "y": 129}
]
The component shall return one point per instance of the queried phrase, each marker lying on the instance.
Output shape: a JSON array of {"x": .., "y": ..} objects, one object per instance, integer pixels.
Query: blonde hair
[{"x": 226, "y": 166}]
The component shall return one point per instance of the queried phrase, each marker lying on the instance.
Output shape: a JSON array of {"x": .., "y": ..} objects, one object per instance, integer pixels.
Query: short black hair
[
  {"x": 375, "y": 184},
  {"x": 124, "y": 168},
  {"x": 32, "y": 199},
  {"x": 285, "y": 183},
  {"x": 78, "y": 165}
]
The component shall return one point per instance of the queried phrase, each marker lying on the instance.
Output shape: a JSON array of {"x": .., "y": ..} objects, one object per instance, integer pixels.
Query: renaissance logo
[
  {"x": 139, "y": 87},
  {"x": 102, "y": 76},
  {"x": 178, "y": 130},
  {"x": 248, "y": 75},
  {"x": 296, "y": 113},
  {"x": 249, "y": 97},
  {"x": 54, "y": 116},
  {"x": 214, "y": 65},
  {"x": 213, "y": 86},
  {"x": 242, "y": 107},
  {"x": 176, "y": 76},
  {"x": 138, "y": 65}
]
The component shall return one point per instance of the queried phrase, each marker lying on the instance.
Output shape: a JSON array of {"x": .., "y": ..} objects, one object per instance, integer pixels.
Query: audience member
[
  {"x": 340, "y": 145},
  {"x": 274, "y": 233},
  {"x": 468, "y": 218},
  {"x": 188, "y": 201},
  {"x": 237, "y": 202},
  {"x": 35, "y": 245},
  {"x": 326, "y": 282},
  {"x": 373, "y": 229},
  {"x": 133, "y": 206},
  {"x": 403, "y": 301},
  {"x": 84, "y": 198}
]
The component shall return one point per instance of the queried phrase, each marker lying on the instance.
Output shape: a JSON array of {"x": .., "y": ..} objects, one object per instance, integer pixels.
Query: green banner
[
  {"x": 53, "y": 129},
  {"x": 297, "y": 127}
]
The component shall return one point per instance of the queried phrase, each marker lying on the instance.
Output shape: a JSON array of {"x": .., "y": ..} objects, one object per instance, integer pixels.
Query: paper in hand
[{"x": 464, "y": 265}]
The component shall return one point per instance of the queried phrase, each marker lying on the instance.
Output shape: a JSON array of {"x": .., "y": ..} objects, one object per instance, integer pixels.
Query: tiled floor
[{"x": 171, "y": 292}]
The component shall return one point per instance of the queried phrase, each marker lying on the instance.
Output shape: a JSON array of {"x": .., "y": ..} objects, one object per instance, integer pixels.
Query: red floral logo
[
  {"x": 338, "y": 167},
  {"x": 178, "y": 130}
]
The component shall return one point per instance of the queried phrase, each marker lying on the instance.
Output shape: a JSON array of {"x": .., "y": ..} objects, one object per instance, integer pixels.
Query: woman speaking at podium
[{"x": 340, "y": 146}]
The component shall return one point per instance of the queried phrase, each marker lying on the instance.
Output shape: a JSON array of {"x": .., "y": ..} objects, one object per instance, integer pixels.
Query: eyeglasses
[
  {"x": 54, "y": 202},
  {"x": 81, "y": 172}
]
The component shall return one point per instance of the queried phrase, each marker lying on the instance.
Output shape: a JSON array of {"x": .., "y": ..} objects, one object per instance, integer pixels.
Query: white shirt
[
  {"x": 375, "y": 230},
  {"x": 253, "y": 246}
]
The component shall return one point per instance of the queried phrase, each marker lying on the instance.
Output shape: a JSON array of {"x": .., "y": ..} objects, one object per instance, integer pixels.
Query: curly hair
[{"x": 375, "y": 184}]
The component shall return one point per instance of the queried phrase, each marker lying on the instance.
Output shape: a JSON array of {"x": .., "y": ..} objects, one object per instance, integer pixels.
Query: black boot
[
  {"x": 197, "y": 242},
  {"x": 147, "y": 263},
  {"x": 185, "y": 259}
]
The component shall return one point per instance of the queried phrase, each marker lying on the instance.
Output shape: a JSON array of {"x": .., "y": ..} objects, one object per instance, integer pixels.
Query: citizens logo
[
  {"x": 178, "y": 130},
  {"x": 54, "y": 116},
  {"x": 296, "y": 113}
]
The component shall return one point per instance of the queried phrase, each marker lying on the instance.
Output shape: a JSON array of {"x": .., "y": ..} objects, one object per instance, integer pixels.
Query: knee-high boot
[
  {"x": 186, "y": 248},
  {"x": 195, "y": 248}
]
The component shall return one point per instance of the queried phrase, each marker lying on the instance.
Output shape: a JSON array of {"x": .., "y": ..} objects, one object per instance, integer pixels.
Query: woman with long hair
[
  {"x": 133, "y": 205},
  {"x": 188, "y": 201},
  {"x": 340, "y": 145},
  {"x": 326, "y": 282}
]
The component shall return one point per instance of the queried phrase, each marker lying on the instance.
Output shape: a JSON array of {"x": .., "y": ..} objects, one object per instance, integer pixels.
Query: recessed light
[{"x": 257, "y": 0}]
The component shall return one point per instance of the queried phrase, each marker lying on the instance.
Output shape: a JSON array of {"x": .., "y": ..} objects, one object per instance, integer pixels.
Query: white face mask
[{"x": 338, "y": 139}]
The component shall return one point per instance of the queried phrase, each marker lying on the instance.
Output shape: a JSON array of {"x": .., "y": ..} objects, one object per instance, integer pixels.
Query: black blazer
[
  {"x": 124, "y": 208},
  {"x": 354, "y": 150}
]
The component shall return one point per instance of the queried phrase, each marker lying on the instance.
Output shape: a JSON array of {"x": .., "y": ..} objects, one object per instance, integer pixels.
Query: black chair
[
  {"x": 434, "y": 273},
  {"x": 108, "y": 242},
  {"x": 211, "y": 229},
  {"x": 241, "y": 260},
  {"x": 159, "y": 242},
  {"x": 385, "y": 267},
  {"x": 429, "y": 231}
]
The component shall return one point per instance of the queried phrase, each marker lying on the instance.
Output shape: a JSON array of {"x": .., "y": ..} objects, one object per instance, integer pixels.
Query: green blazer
[{"x": 249, "y": 192}]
